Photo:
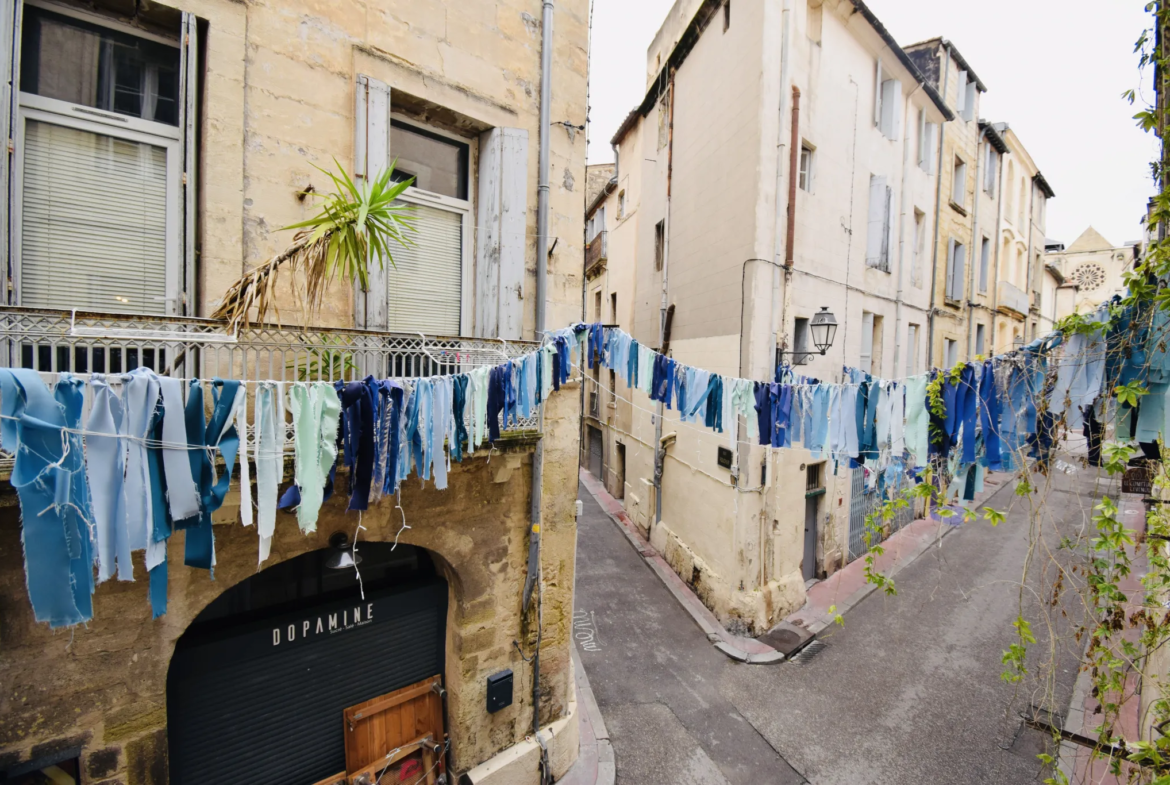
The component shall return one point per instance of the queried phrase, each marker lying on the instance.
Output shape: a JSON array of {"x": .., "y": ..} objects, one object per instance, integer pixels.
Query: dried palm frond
[{"x": 356, "y": 223}]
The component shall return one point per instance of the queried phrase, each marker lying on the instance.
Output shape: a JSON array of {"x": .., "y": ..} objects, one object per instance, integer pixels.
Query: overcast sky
[{"x": 1056, "y": 78}]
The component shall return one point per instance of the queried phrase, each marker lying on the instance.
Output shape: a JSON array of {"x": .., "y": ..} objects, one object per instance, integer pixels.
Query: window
[
  {"x": 801, "y": 341},
  {"x": 663, "y": 121},
  {"x": 989, "y": 171},
  {"x": 424, "y": 286},
  {"x": 807, "y": 161},
  {"x": 950, "y": 353},
  {"x": 867, "y": 342},
  {"x": 911, "y": 349},
  {"x": 970, "y": 93},
  {"x": 613, "y": 319},
  {"x": 1023, "y": 205},
  {"x": 925, "y": 143},
  {"x": 597, "y": 306},
  {"x": 622, "y": 203},
  {"x": 956, "y": 270},
  {"x": 612, "y": 388},
  {"x": 726, "y": 15},
  {"x": 1007, "y": 191},
  {"x": 919, "y": 248},
  {"x": 891, "y": 109},
  {"x": 980, "y": 339},
  {"x": 984, "y": 264},
  {"x": 881, "y": 219},
  {"x": 816, "y": 20},
  {"x": 596, "y": 224},
  {"x": 959, "y": 183},
  {"x": 877, "y": 95},
  {"x": 659, "y": 244},
  {"x": 98, "y": 124}
]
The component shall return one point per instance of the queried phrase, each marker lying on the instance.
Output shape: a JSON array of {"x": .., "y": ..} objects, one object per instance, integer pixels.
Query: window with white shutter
[
  {"x": 879, "y": 223},
  {"x": 866, "y": 359},
  {"x": 891, "y": 115},
  {"x": 877, "y": 95},
  {"x": 103, "y": 216}
]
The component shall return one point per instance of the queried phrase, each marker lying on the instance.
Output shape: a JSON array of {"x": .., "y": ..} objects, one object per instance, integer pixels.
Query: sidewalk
[
  {"x": 595, "y": 761},
  {"x": 847, "y": 587}
]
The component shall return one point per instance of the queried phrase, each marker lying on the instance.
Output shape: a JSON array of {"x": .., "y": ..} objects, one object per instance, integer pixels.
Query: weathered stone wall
[{"x": 103, "y": 687}]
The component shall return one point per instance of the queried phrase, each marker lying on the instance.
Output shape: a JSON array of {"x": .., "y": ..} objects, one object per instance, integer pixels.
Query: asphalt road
[{"x": 907, "y": 691}]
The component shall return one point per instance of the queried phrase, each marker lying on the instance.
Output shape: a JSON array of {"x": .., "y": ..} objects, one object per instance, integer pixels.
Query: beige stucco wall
[{"x": 279, "y": 98}]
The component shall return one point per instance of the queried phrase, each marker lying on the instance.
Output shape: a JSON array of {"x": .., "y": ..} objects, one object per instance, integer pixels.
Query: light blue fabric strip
[
  {"x": 105, "y": 468},
  {"x": 182, "y": 496}
]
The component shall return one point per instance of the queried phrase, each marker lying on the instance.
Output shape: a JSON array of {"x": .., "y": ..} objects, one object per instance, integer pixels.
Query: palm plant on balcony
[{"x": 356, "y": 224}]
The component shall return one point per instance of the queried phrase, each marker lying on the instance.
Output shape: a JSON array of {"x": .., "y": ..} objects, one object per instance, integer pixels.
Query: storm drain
[{"x": 806, "y": 654}]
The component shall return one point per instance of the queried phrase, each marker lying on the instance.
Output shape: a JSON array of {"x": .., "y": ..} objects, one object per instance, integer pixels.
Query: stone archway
[{"x": 259, "y": 680}]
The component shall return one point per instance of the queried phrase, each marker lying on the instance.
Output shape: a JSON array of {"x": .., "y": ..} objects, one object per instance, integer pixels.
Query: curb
[
  {"x": 595, "y": 764},
  {"x": 746, "y": 650}
]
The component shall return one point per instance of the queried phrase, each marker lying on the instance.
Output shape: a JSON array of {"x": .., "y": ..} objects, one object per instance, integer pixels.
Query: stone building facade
[
  {"x": 1092, "y": 269},
  {"x": 240, "y": 103},
  {"x": 698, "y": 244}
]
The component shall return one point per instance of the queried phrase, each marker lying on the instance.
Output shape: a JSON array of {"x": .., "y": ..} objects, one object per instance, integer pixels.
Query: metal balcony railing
[
  {"x": 597, "y": 251},
  {"x": 53, "y": 341}
]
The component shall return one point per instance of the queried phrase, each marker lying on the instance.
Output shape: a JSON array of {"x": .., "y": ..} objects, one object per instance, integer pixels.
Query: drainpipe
[
  {"x": 793, "y": 162},
  {"x": 779, "y": 311},
  {"x": 996, "y": 243},
  {"x": 976, "y": 243},
  {"x": 664, "y": 309},
  {"x": 1028, "y": 267},
  {"x": 542, "y": 190},
  {"x": 942, "y": 136},
  {"x": 904, "y": 208}
]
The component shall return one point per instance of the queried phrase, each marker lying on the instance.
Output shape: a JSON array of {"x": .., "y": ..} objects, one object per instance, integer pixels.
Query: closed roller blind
[
  {"x": 424, "y": 286},
  {"x": 93, "y": 231}
]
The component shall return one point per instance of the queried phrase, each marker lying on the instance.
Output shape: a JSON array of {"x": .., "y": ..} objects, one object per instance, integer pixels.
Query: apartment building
[{"x": 781, "y": 161}]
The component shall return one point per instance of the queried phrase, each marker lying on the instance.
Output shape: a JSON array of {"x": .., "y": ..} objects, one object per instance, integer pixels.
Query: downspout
[
  {"x": 905, "y": 198},
  {"x": 976, "y": 244},
  {"x": 996, "y": 243},
  {"x": 542, "y": 192},
  {"x": 779, "y": 310},
  {"x": 1028, "y": 269},
  {"x": 793, "y": 162},
  {"x": 942, "y": 136},
  {"x": 660, "y": 412}
]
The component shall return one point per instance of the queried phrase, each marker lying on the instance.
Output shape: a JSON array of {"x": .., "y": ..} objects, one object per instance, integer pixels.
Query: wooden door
[{"x": 395, "y": 729}]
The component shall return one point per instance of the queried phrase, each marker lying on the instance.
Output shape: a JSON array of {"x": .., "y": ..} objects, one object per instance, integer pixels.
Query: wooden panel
[
  {"x": 371, "y": 157},
  {"x": 413, "y": 765},
  {"x": 388, "y": 722},
  {"x": 501, "y": 242},
  {"x": 336, "y": 779}
]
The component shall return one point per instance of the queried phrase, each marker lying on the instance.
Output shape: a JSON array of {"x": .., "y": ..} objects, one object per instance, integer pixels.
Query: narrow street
[{"x": 907, "y": 691}]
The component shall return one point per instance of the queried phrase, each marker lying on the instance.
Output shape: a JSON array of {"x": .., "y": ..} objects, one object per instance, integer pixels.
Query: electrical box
[{"x": 499, "y": 691}]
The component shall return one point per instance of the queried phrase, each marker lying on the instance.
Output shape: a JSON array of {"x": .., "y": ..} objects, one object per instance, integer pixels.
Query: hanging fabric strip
[
  {"x": 182, "y": 496},
  {"x": 105, "y": 466},
  {"x": 269, "y": 447},
  {"x": 56, "y": 561},
  {"x": 245, "y": 470},
  {"x": 316, "y": 410},
  {"x": 917, "y": 421}
]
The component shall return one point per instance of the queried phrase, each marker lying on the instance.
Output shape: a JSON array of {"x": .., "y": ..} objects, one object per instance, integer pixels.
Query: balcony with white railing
[
  {"x": 597, "y": 252},
  {"x": 53, "y": 342},
  {"x": 1012, "y": 299}
]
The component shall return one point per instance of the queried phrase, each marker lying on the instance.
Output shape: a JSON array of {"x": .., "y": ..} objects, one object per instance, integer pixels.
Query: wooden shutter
[
  {"x": 923, "y": 150},
  {"x": 866, "y": 362},
  {"x": 181, "y": 301},
  {"x": 371, "y": 156},
  {"x": 501, "y": 245},
  {"x": 877, "y": 96},
  {"x": 950, "y": 287},
  {"x": 930, "y": 130},
  {"x": 888, "y": 229},
  {"x": 875, "y": 228},
  {"x": 10, "y": 18},
  {"x": 960, "y": 271},
  {"x": 961, "y": 92},
  {"x": 378, "y": 731},
  {"x": 891, "y": 108}
]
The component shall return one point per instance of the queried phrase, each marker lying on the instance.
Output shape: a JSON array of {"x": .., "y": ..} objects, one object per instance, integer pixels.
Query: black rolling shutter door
[{"x": 243, "y": 709}]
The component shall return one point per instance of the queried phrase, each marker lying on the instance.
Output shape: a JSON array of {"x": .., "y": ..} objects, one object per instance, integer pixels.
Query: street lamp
[{"x": 823, "y": 329}]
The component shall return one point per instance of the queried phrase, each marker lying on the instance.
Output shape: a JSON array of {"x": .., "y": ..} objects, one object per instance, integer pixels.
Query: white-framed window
[
  {"x": 425, "y": 286},
  {"x": 990, "y": 166},
  {"x": 950, "y": 353},
  {"x": 918, "y": 250},
  {"x": 880, "y": 223},
  {"x": 807, "y": 167},
  {"x": 891, "y": 109},
  {"x": 926, "y": 131},
  {"x": 103, "y": 216},
  {"x": 868, "y": 326},
  {"x": 595, "y": 225},
  {"x": 980, "y": 339},
  {"x": 965, "y": 97}
]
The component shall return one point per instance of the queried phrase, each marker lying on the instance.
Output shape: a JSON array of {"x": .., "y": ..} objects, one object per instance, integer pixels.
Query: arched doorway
[{"x": 259, "y": 682}]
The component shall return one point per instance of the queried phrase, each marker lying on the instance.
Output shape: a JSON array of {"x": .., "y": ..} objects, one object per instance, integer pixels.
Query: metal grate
[
  {"x": 862, "y": 503},
  {"x": 814, "y": 473},
  {"x": 812, "y": 649}
]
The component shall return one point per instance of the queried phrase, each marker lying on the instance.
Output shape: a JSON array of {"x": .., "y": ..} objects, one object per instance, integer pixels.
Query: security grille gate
[
  {"x": 862, "y": 502},
  {"x": 261, "y": 698}
]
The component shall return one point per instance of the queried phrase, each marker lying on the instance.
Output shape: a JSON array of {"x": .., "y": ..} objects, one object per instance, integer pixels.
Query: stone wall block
[{"x": 146, "y": 759}]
